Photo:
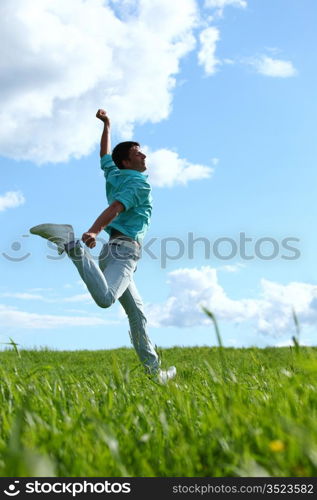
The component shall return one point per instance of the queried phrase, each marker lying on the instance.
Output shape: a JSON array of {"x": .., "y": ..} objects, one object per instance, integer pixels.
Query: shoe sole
[
  {"x": 41, "y": 227},
  {"x": 44, "y": 230}
]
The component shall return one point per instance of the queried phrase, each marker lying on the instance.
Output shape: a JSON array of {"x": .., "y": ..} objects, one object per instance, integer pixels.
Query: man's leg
[
  {"x": 103, "y": 293},
  {"x": 104, "y": 287},
  {"x": 133, "y": 306},
  {"x": 109, "y": 281}
]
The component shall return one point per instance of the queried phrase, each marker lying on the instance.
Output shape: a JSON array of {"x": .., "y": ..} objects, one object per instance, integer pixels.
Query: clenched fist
[
  {"x": 102, "y": 115},
  {"x": 89, "y": 239}
]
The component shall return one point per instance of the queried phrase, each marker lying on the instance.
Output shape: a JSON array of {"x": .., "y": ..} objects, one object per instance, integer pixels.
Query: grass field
[{"x": 229, "y": 412}]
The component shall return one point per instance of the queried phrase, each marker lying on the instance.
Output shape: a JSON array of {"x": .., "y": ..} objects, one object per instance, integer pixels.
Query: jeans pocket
[{"x": 122, "y": 251}]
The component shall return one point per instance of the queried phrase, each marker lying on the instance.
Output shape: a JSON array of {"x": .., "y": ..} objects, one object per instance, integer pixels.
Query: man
[{"x": 126, "y": 220}]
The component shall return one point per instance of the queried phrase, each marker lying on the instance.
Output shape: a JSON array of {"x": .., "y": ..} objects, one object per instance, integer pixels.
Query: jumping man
[{"x": 126, "y": 220}]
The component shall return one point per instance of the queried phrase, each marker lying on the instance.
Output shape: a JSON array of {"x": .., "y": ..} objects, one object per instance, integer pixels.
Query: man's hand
[
  {"x": 105, "y": 146},
  {"x": 102, "y": 115},
  {"x": 89, "y": 239}
]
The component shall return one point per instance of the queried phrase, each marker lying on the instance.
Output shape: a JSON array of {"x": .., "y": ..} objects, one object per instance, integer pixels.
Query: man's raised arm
[{"x": 105, "y": 143}]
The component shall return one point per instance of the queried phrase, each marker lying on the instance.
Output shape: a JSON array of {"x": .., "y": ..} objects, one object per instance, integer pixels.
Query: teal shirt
[{"x": 133, "y": 190}]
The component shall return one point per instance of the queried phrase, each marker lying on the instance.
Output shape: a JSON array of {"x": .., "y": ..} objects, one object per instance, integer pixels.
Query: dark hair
[{"x": 121, "y": 152}]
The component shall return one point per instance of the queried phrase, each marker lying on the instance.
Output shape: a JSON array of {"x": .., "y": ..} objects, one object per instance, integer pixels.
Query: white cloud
[
  {"x": 221, "y": 4},
  {"x": 289, "y": 342},
  {"x": 23, "y": 296},
  {"x": 273, "y": 67},
  {"x": 63, "y": 60},
  {"x": 167, "y": 169},
  {"x": 225, "y": 3},
  {"x": 11, "y": 199},
  {"x": 81, "y": 297},
  {"x": 206, "y": 55},
  {"x": 271, "y": 314},
  {"x": 229, "y": 61},
  {"x": 11, "y": 317},
  {"x": 231, "y": 268}
]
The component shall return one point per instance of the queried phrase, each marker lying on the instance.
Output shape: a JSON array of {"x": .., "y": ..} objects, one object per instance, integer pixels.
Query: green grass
[{"x": 229, "y": 412}]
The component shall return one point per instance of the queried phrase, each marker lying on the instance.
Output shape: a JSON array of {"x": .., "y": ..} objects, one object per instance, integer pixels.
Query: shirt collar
[{"x": 133, "y": 173}]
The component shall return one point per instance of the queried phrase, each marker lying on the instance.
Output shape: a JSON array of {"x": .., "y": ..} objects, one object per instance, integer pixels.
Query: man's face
[{"x": 136, "y": 160}]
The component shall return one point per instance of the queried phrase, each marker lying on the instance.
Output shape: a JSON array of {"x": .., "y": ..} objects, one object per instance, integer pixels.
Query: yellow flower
[{"x": 277, "y": 445}]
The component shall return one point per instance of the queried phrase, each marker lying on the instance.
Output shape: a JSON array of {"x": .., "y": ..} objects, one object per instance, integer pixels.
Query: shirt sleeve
[
  {"x": 131, "y": 195},
  {"x": 108, "y": 166}
]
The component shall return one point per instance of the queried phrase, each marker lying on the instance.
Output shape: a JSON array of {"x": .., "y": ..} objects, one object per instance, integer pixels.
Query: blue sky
[{"x": 222, "y": 96}]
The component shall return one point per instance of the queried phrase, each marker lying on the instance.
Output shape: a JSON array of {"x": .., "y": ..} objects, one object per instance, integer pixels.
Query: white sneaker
[
  {"x": 164, "y": 376},
  {"x": 60, "y": 234}
]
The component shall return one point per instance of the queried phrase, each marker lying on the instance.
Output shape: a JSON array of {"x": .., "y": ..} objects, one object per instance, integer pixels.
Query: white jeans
[{"x": 112, "y": 279}]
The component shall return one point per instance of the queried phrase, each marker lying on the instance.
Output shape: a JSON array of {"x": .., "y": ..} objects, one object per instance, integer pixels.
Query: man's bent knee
[{"x": 106, "y": 301}]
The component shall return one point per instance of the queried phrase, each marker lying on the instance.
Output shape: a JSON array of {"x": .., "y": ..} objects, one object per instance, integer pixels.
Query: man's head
[{"x": 127, "y": 155}]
